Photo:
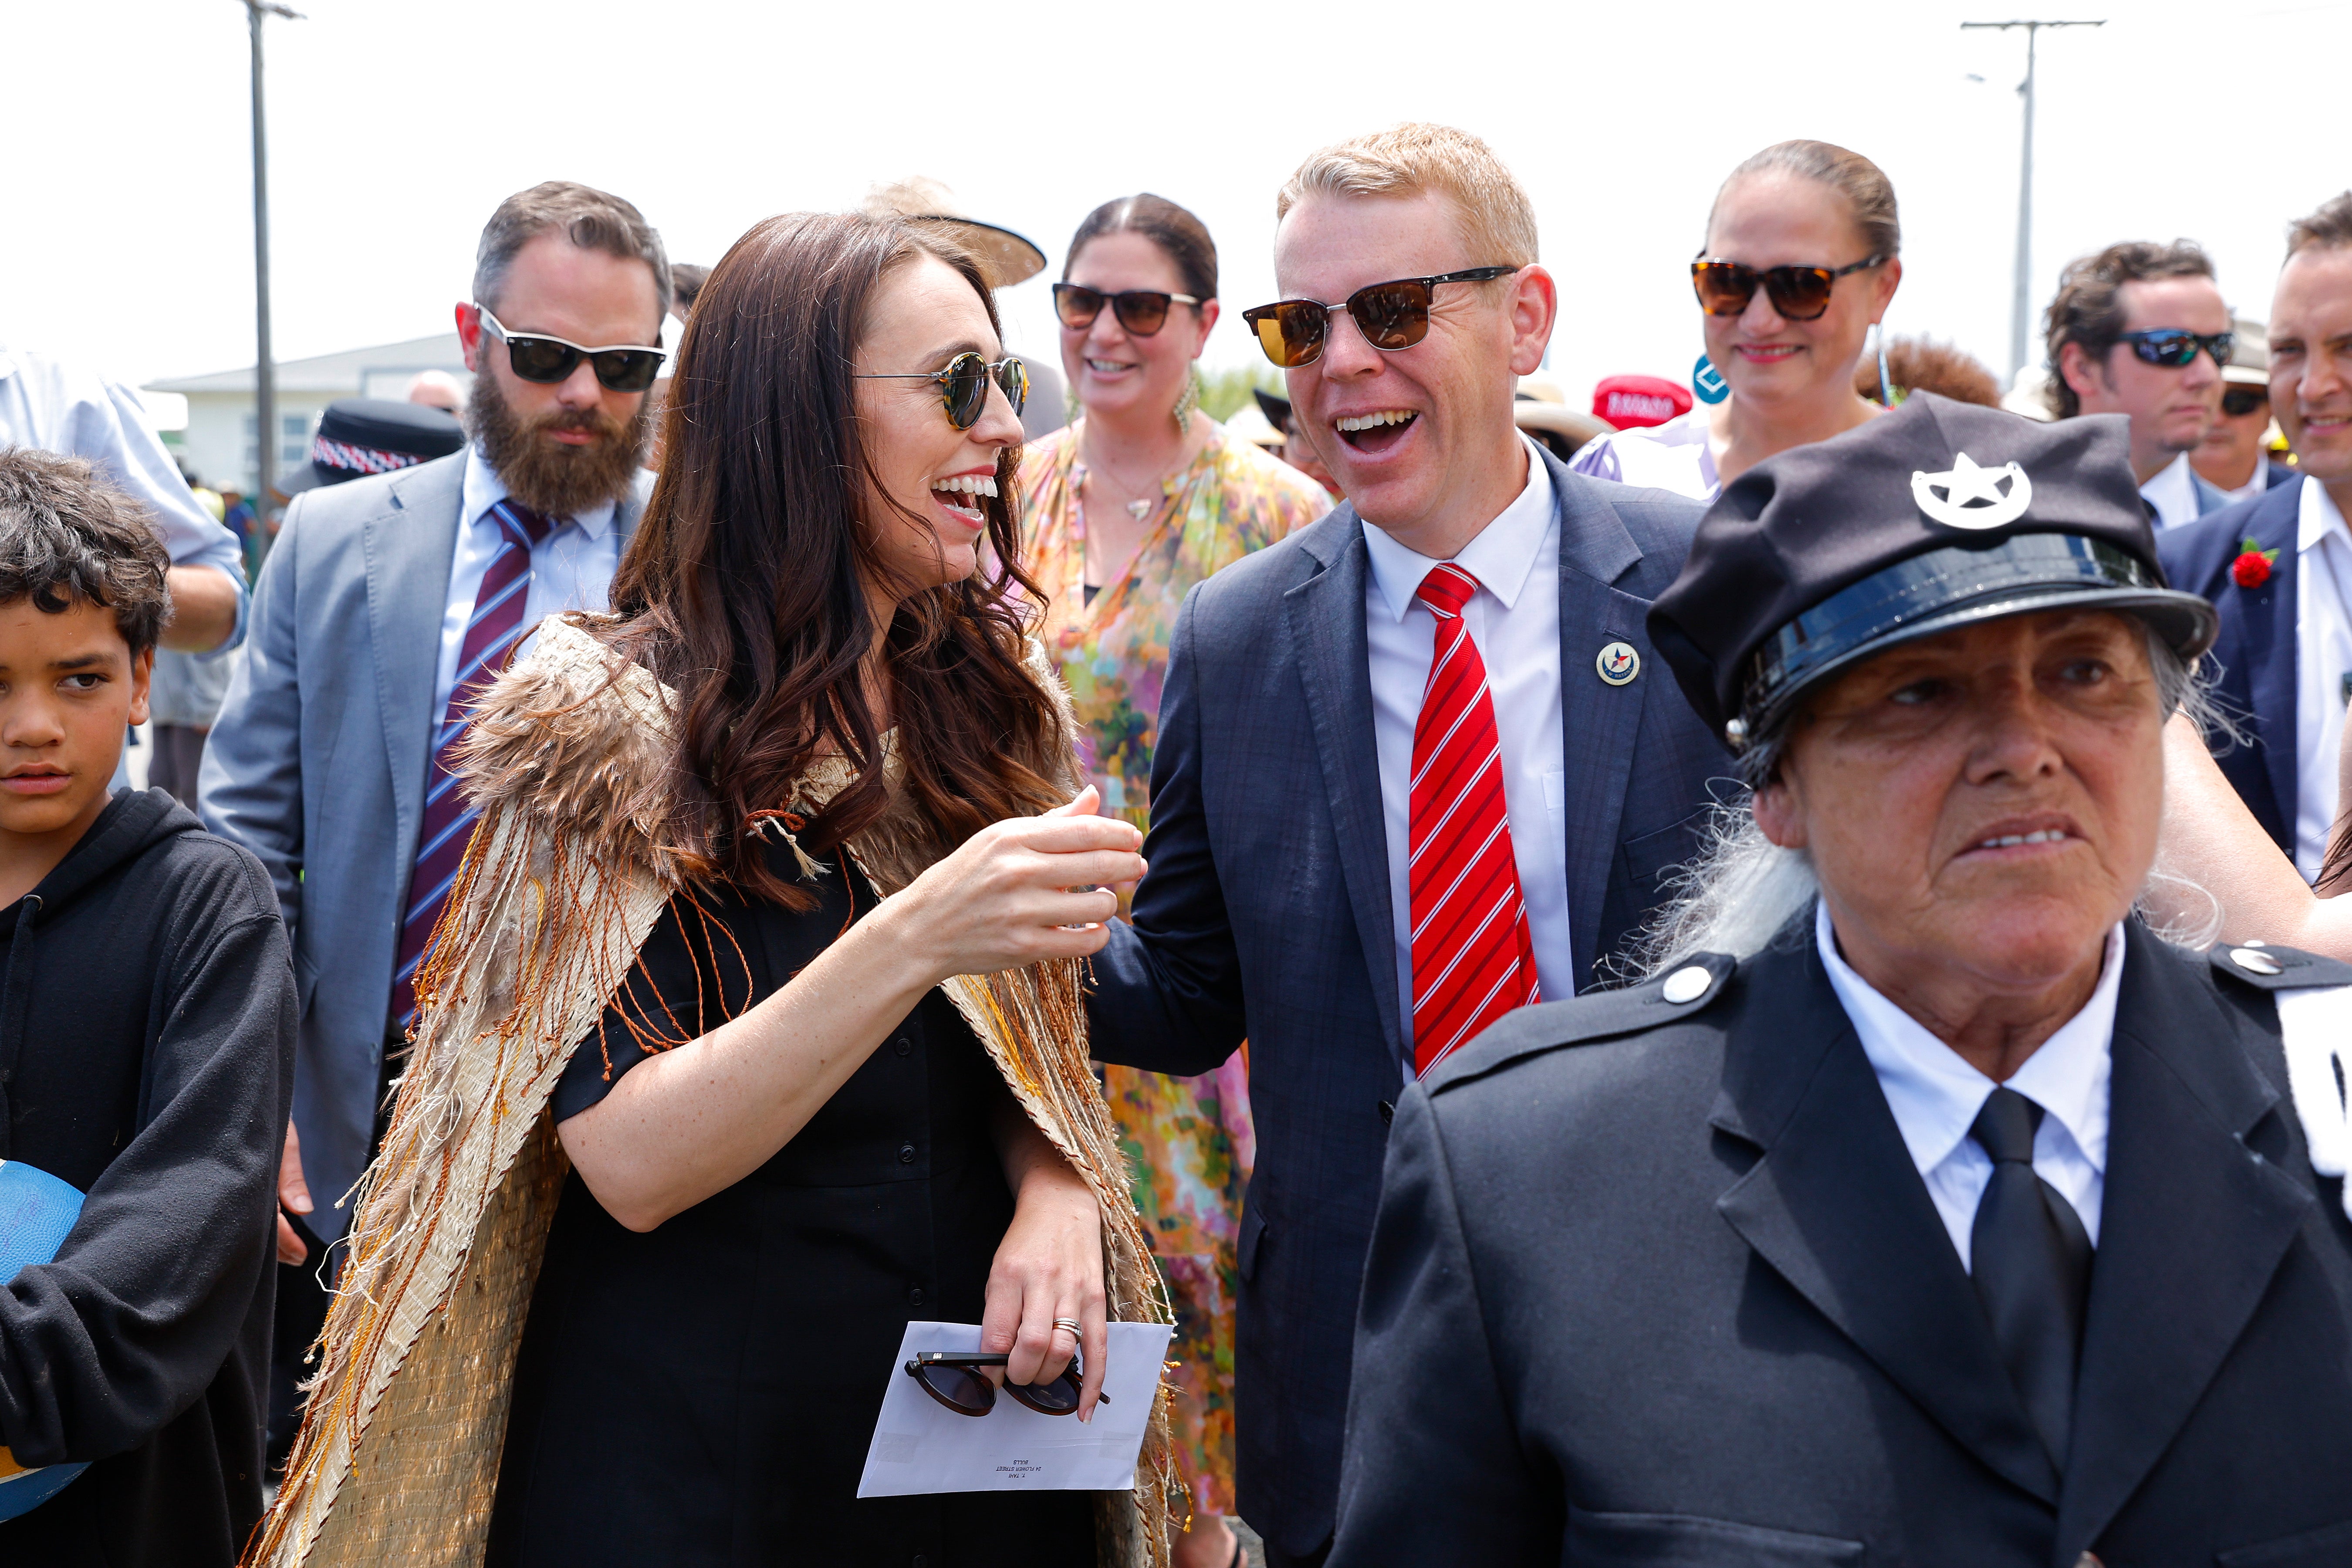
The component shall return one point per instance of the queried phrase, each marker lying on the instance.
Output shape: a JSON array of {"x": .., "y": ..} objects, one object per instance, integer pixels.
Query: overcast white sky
[{"x": 396, "y": 125}]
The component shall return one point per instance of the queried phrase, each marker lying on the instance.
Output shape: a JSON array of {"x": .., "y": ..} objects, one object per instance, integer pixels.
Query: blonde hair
[{"x": 1498, "y": 222}]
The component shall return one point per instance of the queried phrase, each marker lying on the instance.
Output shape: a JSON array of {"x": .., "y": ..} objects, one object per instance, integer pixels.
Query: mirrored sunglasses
[
  {"x": 2175, "y": 349},
  {"x": 1391, "y": 316},
  {"x": 964, "y": 384}
]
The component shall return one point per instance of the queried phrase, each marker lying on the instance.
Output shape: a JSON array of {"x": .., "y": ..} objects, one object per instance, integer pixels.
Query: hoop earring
[{"x": 1190, "y": 402}]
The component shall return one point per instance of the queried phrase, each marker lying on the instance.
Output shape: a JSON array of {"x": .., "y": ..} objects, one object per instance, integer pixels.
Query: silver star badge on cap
[{"x": 1972, "y": 495}]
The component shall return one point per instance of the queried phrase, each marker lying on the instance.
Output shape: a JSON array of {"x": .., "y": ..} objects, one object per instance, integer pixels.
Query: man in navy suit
[
  {"x": 1416, "y": 762},
  {"x": 2279, "y": 567}
]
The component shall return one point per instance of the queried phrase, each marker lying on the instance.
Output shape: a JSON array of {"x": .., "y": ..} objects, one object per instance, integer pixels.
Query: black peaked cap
[
  {"x": 361, "y": 436},
  {"x": 1930, "y": 516}
]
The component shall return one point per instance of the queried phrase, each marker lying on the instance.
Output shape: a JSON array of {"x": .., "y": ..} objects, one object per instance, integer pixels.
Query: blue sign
[
  {"x": 1707, "y": 381},
  {"x": 37, "y": 1210}
]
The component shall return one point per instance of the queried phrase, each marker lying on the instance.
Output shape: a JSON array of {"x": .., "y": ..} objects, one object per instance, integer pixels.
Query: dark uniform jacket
[
  {"x": 1266, "y": 913},
  {"x": 1679, "y": 1296}
]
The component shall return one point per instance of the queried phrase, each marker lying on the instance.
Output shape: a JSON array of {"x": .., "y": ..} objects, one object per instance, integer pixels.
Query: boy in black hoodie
[{"x": 147, "y": 1023}]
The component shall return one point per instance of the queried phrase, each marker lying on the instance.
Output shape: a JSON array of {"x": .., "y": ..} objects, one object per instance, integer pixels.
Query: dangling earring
[{"x": 1188, "y": 401}]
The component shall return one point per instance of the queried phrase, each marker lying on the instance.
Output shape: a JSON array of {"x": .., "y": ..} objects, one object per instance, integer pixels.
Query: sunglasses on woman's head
[
  {"x": 1798, "y": 293},
  {"x": 1142, "y": 311},
  {"x": 964, "y": 384},
  {"x": 948, "y": 1377},
  {"x": 2237, "y": 401},
  {"x": 2175, "y": 349},
  {"x": 535, "y": 356},
  {"x": 1391, "y": 316}
]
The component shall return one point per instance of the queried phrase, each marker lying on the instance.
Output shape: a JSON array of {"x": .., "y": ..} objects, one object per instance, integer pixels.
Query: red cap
[{"x": 1627, "y": 401}]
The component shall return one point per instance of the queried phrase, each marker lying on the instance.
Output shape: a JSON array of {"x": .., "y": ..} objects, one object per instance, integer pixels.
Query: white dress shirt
[
  {"x": 1514, "y": 621},
  {"x": 2323, "y": 663},
  {"x": 2172, "y": 490},
  {"x": 571, "y": 569},
  {"x": 60, "y": 408},
  {"x": 1935, "y": 1095}
]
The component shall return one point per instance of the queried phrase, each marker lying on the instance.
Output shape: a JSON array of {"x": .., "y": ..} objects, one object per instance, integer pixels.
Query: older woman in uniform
[{"x": 1929, "y": 1207}]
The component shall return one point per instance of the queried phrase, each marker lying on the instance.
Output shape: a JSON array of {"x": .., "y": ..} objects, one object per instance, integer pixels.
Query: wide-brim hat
[
  {"x": 1274, "y": 405},
  {"x": 1934, "y": 516},
  {"x": 361, "y": 436},
  {"x": 1573, "y": 423},
  {"x": 1005, "y": 257}
]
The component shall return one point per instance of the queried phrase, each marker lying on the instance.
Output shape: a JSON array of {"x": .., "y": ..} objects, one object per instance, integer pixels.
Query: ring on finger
[{"x": 1069, "y": 1323}]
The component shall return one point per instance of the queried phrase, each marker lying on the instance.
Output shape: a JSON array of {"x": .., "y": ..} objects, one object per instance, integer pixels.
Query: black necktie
[{"x": 2031, "y": 1259}]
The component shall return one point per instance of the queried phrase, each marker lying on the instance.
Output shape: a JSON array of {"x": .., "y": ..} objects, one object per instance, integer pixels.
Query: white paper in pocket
[{"x": 920, "y": 1446}]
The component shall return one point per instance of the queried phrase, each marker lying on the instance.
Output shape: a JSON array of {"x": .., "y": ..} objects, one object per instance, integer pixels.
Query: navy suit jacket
[
  {"x": 1659, "y": 1284},
  {"x": 1265, "y": 913},
  {"x": 2256, "y": 651}
]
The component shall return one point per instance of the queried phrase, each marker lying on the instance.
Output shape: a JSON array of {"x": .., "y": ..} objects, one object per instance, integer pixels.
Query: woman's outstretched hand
[{"x": 1021, "y": 891}]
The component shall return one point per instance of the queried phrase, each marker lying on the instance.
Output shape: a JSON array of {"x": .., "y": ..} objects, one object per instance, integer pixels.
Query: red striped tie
[
  {"x": 491, "y": 637},
  {"x": 1473, "y": 957}
]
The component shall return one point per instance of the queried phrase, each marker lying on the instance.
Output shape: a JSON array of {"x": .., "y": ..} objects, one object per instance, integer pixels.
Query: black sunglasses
[
  {"x": 2237, "y": 401},
  {"x": 1798, "y": 293},
  {"x": 948, "y": 1377},
  {"x": 538, "y": 357},
  {"x": 1391, "y": 316},
  {"x": 2174, "y": 349},
  {"x": 964, "y": 384},
  {"x": 1142, "y": 311}
]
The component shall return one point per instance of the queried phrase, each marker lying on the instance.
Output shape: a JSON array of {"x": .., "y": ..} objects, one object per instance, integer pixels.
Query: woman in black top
[{"x": 785, "y": 1141}]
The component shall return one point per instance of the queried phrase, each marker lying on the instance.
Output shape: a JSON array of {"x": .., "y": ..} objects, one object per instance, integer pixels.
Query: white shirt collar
[
  {"x": 2172, "y": 490},
  {"x": 483, "y": 488},
  {"x": 1500, "y": 556},
  {"x": 1936, "y": 1094},
  {"x": 2317, "y": 518}
]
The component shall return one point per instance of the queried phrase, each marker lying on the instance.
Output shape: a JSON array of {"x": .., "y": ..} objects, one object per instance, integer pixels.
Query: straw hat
[{"x": 1005, "y": 256}]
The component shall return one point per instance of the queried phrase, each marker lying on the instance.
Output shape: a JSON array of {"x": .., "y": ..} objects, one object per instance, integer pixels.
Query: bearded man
[{"x": 386, "y": 606}]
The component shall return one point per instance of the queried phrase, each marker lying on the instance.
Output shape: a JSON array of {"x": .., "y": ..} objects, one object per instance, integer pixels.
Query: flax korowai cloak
[{"x": 569, "y": 760}]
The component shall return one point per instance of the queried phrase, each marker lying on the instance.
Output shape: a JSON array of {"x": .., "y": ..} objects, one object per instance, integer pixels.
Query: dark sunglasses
[
  {"x": 2175, "y": 349},
  {"x": 963, "y": 385},
  {"x": 538, "y": 357},
  {"x": 948, "y": 1377},
  {"x": 2237, "y": 401},
  {"x": 1798, "y": 293},
  {"x": 1142, "y": 311},
  {"x": 1391, "y": 316}
]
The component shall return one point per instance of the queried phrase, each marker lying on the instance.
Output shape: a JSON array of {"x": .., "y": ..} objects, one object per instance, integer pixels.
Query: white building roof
[{"x": 347, "y": 374}]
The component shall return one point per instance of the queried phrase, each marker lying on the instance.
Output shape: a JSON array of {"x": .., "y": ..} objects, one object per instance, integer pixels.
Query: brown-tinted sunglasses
[
  {"x": 1391, "y": 316},
  {"x": 1798, "y": 293},
  {"x": 948, "y": 1377},
  {"x": 1142, "y": 312}
]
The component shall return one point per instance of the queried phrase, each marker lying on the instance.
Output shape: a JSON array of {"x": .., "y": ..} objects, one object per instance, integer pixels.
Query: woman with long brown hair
[{"x": 770, "y": 931}]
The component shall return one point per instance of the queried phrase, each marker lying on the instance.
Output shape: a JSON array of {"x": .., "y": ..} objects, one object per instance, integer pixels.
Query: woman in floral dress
[{"x": 1137, "y": 500}]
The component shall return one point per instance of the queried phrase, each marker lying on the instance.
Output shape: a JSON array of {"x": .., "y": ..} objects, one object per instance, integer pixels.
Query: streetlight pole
[
  {"x": 265, "y": 367},
  {"x": 2021, "y": 306}
]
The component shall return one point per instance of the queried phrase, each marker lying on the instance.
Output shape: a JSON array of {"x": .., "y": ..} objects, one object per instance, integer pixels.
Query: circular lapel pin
[
  {"x": 1686, "y": 986},
  {"x": 1618, "y": 663},
  {"x": 2255, "y": 963}
]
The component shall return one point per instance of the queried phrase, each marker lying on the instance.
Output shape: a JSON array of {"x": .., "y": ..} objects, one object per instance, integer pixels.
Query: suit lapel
[
  {"x": 1837, "y": 1208},
  {"x": 2275, "y": 673},
  {"x": 1325, "y": 617},
  {"x": 2192, "y": 1229},
  {"x": 411, "y": 545},
  {"x": 1598, "y": 722}
]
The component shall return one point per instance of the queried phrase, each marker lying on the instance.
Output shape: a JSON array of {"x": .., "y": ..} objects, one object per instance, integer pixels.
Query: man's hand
[
  {"x": 293, "y": 1197},
  {"x": 204, "y": 609}
]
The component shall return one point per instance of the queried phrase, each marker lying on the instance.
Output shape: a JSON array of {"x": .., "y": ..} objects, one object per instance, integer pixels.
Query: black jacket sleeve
[
  {"x": 1168, "y": 994},
  {"x": 134, "y": 1317},
  {"x": 1433, "y": 1470}
]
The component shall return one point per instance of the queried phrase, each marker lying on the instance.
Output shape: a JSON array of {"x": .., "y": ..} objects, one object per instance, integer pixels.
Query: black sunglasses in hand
[
  {"x": 1391, "y": 316},
  {"x": 948, "y": 1377},
  {"x": 1798, "y": 293},
  {"x": 2176, "y": 349},
  {"x": 964, "y": 384},
  {"x": 535, "y": 356},
  {"x": 1142, "y": 312}
]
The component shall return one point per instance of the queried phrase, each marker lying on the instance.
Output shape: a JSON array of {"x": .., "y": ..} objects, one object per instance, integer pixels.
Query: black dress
[{"x": 704, "y": 1393}]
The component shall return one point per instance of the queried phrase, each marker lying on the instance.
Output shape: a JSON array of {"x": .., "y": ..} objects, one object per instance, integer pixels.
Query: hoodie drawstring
[{"x": 16, "y": 1004}]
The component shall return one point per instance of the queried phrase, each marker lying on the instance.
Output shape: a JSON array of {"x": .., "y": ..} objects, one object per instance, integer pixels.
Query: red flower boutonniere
[{"x": 2252, "y": 569}]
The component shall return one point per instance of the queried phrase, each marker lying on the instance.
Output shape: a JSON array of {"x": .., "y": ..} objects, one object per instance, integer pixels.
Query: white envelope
[{"x": 920, "y": 1446}]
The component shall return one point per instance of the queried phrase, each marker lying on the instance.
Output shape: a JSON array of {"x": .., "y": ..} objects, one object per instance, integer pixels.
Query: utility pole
[
  {"x": 265, "y": 367},
  {"x": 2020, "y": 308}
]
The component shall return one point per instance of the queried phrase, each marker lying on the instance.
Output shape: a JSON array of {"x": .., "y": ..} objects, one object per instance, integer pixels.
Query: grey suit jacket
[{"x": 318, "y": 764}]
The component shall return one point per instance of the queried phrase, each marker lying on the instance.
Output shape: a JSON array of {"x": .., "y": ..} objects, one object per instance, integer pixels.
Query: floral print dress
[{"x": 1189, "y": 1139}]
